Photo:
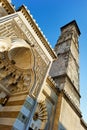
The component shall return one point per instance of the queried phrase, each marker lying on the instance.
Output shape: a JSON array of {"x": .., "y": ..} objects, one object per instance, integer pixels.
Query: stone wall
[
  {"x": 69, "y": 120},
  {"x": 73, "y": 72},
  {"x": 71, "y": 91}
]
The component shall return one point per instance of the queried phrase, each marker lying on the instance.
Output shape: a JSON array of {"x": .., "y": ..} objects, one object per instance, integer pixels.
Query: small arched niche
[{"x": 20, "y": 54}]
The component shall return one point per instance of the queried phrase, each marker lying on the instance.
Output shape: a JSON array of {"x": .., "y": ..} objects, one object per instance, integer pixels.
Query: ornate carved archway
[{"x": 16, "y": 65}]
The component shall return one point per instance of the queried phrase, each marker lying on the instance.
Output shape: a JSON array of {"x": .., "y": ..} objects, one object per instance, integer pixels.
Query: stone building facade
[{"x": 39, "y": 89}]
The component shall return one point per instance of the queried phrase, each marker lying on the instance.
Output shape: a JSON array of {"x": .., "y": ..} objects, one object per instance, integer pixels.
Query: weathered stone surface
[
  {"x": 73, "y": 71},
  {"x": 59, "y": 66},
  {"x": 68, "y": 60}
]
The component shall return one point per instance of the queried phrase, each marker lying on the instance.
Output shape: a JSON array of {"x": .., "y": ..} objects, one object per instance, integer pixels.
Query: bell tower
[{"x": 65, "y": 70}]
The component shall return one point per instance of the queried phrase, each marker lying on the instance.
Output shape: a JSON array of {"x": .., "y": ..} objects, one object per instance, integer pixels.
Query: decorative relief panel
[
  {"x": 40, "y": 70},
  {"x": 16, "y": 65},
  {"x": 7, "y": 30}
]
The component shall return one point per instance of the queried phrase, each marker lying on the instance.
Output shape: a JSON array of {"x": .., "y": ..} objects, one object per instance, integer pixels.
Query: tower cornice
[{"x": 72, "y": 23}]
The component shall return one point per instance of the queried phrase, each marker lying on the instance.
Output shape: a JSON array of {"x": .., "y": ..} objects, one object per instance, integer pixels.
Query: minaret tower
[{"x": 65, "y": 70}]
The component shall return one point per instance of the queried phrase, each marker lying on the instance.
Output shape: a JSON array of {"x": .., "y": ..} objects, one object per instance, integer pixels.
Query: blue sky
[{"x": 50, "y": 16}]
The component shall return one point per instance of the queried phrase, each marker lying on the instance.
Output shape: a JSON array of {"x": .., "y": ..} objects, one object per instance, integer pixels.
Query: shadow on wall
[{"x": 61, "y": 127}]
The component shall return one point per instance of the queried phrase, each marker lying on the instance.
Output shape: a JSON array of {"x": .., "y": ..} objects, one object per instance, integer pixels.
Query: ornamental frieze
[{"x": 41, "y": 69}]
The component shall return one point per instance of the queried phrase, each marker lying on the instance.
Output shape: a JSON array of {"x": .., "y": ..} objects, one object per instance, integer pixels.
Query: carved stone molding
[{"x": 40, "y": 71}]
